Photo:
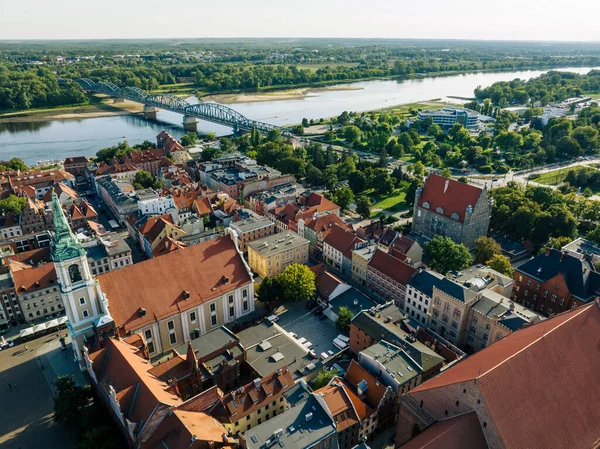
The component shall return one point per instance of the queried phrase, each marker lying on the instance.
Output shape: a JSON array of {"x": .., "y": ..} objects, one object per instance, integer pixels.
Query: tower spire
[{"x": 64, "y": 244}]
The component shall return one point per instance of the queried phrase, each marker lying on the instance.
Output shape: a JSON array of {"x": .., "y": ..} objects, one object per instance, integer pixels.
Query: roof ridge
[{"x": 576, "y": 314}]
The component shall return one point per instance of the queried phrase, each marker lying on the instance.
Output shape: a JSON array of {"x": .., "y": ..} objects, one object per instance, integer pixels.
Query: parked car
[{"x": 7, "y": 344}]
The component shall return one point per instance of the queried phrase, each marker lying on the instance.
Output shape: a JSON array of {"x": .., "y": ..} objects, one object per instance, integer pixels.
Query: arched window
[{"x": 74, "y": 273}]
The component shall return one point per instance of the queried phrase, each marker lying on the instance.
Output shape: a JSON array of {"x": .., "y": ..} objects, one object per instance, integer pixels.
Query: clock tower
[{"x": 85, "y": 304}]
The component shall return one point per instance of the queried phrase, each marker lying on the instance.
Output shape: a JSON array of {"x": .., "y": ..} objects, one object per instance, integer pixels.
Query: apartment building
[
  {"x": 271, "y": 255},
  {"x": 387, "y": 277},
  {"x": 337, "y": 249},
  {"x": 250, "y": 230},
  {"x": 447, "y": 117},
  {"x": 118, "y": 195},
  {"x": 419, "y": 291}
]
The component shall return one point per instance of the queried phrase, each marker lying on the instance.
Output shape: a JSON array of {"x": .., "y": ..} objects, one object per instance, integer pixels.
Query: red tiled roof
[
  {"x": 391, "y": 267},
  {"x": 322, "y": 203},
  {"x": 167, "y": 246},
  {"x": 325, "y": 282},
  {"x": 202, "y": 206},
  {"x": 148, "y": 224},
  {"x": 248, "y": 398},
  {"x": 174, "y": 368},
  {"x": 452, "y": 196},
  {"x": 324, "y": 223},
  {"x": 535, "y": 378},
  {"x": 34, "y": 278},
  {"x": 157, "y": 228},
  {"x": 460, "y": 432},
  {"x": 340, "y": 406},
  {"x": 139, "y": 157},
  {"x": 356, "y": 374},
  {"x": 119, "y": 366},
  {"x": 341, "y": 238},
  {"x": 60, "y": 188},
  {"x": 199, "y": 269},
  {"x": 403, "y": 244},
  {"x": 76, "y": 160}
]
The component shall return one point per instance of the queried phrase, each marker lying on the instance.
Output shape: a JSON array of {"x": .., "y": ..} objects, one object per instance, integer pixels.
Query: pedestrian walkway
[{"x": 55, "y": 362}]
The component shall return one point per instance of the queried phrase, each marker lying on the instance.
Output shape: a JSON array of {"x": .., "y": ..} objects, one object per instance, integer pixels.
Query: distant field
[{"x": 556, "y": 177}]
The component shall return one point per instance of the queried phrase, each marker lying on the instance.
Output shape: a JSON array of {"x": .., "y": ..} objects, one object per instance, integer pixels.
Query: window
[
  {"x": 230, "y": 299},
  {"x": 562, "y": 301},
  {"x": 248, "y": 418},
  {"x": 485, "y": 337},
  {"x": 528, "y": 283},
  {"x": 82, "y": 301},
  {"x": 470, "y": 338},
  {"x": 526, "y": 293},
  {"x": 454, "y": 325},
  {"x": 545, "y": 293},
  {"x": 213, "y": 320},
  {"x": 445, "y": 318},
  {"x": 534, "y": 298},
  {"x": 244, "y": 293},
  {"x": 446, "y": 307},
  {"x": 150, "y": 347},
  {"x": 549, "y": 311},
  {"x": 436, "y": 313},
  {"x": 213, "y": 307},
  {"x": 231, "y": 311},
  {"x": 474, "y": 320},
  {"x": 193, "y": 317},
  {"x": 557, "y": 286},
  {"x": 537, "y": 287},
  {"x": 472, "y": 329},
  {"x": 85, "y": 313},
  {"x": 173, "y": 338},
  {"x": 74, "y": 273},
  {"x": 487, "y": 327},
  {"x": 245, "y": 306},
  {"x": 437, "y": 302},
  {"x": 456, "y": 313},
  {"x": 171, "y": 325},
  {"x": 553, "y": 298},
  {"x": 574, "y": 304},
  {"x": 148, "y": 334},
  {"x": 541, "y": 307}
]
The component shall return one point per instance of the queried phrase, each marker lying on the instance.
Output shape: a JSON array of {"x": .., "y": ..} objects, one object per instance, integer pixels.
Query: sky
[{"x": 553, "y": 20}]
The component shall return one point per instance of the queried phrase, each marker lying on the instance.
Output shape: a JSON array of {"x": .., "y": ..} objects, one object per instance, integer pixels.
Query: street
[{"x": 26, "y": 411}]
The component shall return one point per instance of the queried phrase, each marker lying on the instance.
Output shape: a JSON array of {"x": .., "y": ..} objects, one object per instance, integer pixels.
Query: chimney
[{"x": 446, "y": 185}]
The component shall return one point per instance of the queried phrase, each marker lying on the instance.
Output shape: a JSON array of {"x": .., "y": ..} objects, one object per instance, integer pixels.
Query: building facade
[
  {"x": 271, "y": 255},
  {"x": 451, "y": 208}
]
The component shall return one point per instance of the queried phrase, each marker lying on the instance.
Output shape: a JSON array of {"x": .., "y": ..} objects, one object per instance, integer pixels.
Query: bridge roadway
[{"x": 210, "y": 112}]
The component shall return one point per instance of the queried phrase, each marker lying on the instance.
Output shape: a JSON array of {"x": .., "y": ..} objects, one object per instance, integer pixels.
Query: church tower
[{"x": 83, "y": 300}]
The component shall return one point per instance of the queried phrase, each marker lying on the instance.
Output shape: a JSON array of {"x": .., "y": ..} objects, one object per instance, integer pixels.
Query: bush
[
  {"x": 502, "y": 169},
  {"x": 486, "y": 169}
]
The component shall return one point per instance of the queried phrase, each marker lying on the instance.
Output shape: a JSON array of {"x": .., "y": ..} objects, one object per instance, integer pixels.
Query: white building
[
  {"x": 151, "y": 203},
  {"x": 419, "y": 290},
  {"x": 550, "y": 113}
]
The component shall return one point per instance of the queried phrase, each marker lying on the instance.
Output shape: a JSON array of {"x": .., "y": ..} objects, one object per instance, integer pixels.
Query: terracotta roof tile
[
  {"x": 356, "y": 374},
  {"x": 326, "y": 282},
  {"x": 452, "y": 196},
  {"x": 342, "y": 238},
  {"x": 563, "y": 352},
  {"x": 33, "y": 278},
  {"x": 459, "y": 432},
  {"x": 168, "y": 245},
  {"x": 391, "y": 267},
  {"x": 200, "y": 270},
  {"x": 340, "y": 406}
]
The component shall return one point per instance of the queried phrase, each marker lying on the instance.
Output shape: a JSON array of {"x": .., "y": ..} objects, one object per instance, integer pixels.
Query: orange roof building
[
  {"x": 535, "y": 388},
  {"x": 168, "y": 297},
  {"x": 127, "y": 384},
  {"x": 452, "y": 208}
]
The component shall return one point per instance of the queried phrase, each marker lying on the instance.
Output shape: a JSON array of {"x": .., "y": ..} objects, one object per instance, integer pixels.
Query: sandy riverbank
[
  {"x": 276, "y": 95},
  {"x": 74, "y": 113}
]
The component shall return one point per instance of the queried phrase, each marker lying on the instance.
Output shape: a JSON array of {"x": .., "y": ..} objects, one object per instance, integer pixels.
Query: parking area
[{"x": 317, "y": 329}]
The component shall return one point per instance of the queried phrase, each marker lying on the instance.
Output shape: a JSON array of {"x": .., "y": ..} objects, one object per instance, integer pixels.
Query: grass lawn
[
  {"x": 556, "y": 177},
  {"x": 394, "y": 202}
]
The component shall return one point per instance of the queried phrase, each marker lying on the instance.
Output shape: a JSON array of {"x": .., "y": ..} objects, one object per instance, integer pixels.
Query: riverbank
[
  {"x": 74, "y": 112},
  {"x": 275, "y": 95}
]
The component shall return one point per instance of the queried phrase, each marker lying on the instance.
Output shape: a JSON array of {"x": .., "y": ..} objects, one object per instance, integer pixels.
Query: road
[{"x": 26, "y": 412}]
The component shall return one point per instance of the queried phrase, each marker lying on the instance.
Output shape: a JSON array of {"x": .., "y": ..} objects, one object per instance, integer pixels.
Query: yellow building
[{"x": 270, "y": 256}]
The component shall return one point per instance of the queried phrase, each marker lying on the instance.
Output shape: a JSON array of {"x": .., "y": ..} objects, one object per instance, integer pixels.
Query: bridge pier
[
  {"x": 150, "y": 112},
  {"x": 190, "y": 123}
]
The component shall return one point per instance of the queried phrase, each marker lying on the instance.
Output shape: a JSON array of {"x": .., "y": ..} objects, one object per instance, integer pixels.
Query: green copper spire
[{"x": 64, "y": 244}]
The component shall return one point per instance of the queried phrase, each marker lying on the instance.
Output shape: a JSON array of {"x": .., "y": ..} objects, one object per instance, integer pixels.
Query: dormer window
[
  {"x": 455, "y": 216},
  {"x": 440, "y": 210},
  {"x": 426, "y": 205}
]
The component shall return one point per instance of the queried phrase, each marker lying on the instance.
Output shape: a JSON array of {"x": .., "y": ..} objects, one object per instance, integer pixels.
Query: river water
[{"x": 60, "y": 139}]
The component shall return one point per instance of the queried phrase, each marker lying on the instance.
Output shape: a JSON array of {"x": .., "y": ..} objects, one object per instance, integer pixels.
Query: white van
[{"x": 273, "y": 318}]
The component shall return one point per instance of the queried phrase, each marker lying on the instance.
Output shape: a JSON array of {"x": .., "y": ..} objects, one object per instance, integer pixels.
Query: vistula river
[{"x": 35, "y": 141}]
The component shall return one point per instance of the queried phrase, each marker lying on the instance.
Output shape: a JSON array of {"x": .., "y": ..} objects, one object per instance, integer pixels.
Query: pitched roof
[
  {"x": 325, "y": 281},
  {"x": 342, "y": 238},
  {"x": 323, "y": 204},
  {"x": 207, "y": 270},
  {"x": 202, "y": 206},
  {"x": 391, "y": 267},
  {"x": 455, "y": 290},
  {"x": 147, "y": 225},
  {"x": 582, "y": 281},
  {"x": 563, "y": 352},
  {"x": 60, "y": 188},
  {"x": 118, "y": 365},
  {"x": 324, "y": 223},
  {"x": 168, "y": 245},
  {"x": 139, "y": 157},
  {"x": 33, "y": 278},
  {"x": 452, "y": 196},
  {"x": 459, "y": 432},
  {"x": 249, "y": 398},
  {"x": 403, "y": 243},
  {"x": 340, "y": 405},
  {"x": 425, "y": 280},
  {"x": 356, "y": 374}
]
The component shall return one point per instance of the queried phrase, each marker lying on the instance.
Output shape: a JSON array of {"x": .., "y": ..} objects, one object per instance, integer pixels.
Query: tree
[
  {"x": 486, "y": 248},
  {"x": 363, "y": 207},
  {"x": 297, "y": 283},
  {"x": 313, "y": 174},
  {"x": 446, "y": 173},
  {"x": 269, "y": 290},
  {"x": 189, "y": 139},
  {"x": 323, "y": 378},
  {"x": 211, "y": 136},
  {"x": 418, "y": 169},
  {"x": 357, "y": 181},
  {"x": 12, "y": 203},
  {"x": 343, "y": 197},
  {"x": 352, "y": 134},
  {"x": 274, "y": 135},
  {"x": 143, "y": 180},
  {"x": 70, "y": 401},
  {"x": 501, "y": 264},
  {"x": 345, "y": 315},
  {"x": 446, "y": 255},
  {"x": 594, "y": 235},
  {"x": 330, "y": 177}
]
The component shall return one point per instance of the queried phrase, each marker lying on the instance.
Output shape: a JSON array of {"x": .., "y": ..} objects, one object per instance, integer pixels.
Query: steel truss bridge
[{"x": 210, "y": 112}]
